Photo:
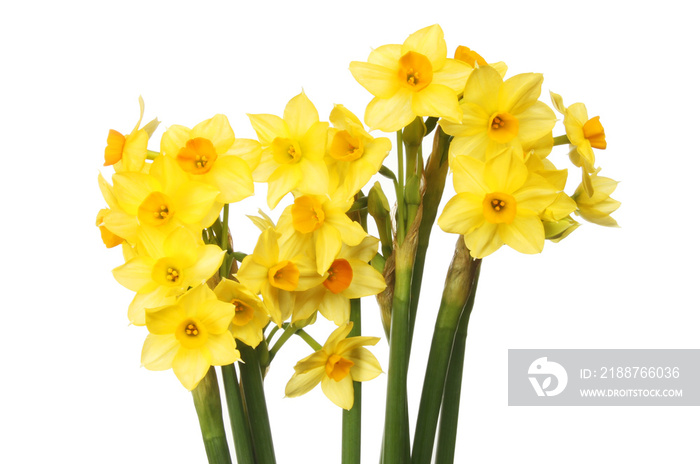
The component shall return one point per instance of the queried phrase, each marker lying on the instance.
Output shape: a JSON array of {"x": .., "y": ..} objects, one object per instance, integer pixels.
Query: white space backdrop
[{"x": 71, "y": 385}]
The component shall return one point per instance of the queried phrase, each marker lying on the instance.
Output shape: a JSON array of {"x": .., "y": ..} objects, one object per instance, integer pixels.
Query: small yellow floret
[
  {"x": 593, "y": 131},
  {"x": 307, "y": 214},
  {"x": 115, "y": 147},
  {"x": 155, "y": 209},
  {"x": 339, "y": 276},
  {"x": 503, "y": 127},
  {"x": 244, "y": 313},
  {"x": 345, "y": 147},
  {"x": 197, "y": 156}
]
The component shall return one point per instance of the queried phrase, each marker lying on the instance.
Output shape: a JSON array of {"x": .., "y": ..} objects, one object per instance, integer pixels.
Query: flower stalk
[
  {"x": 352, "y": 419},
  {"x": 242, "y": 439},
  {"x": 458, "y": 284},
  {"x": 207, "y": 402}
]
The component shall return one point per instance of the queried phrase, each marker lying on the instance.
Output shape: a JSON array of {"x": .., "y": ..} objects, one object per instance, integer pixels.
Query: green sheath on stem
[
  {"x": 207, "y": 402},
  {"x": 460, "y": 275},
  {"x": 449, "y": 413},
  {"x": 254, "y": 394},
  {"x": 242, "y": 440},
  {"x": 352, "y": 419}
]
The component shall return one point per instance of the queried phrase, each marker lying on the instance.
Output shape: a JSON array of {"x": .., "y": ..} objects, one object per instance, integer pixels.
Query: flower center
[
  {"x": 339, "y": 276},
  {"x": 166, "y": 271},
  {"x": 307, "y": 214},
  {"x": 415, "y": 71},
  {"x": 499, "y": 208},
  {"x": 503, "y": 127},
  {"x": 244, "y": 313},
  {"x": 285, "y": 151},
  {"x": 345, "y": 147},
  {"x": 337, "y": 367},
  {"x": 197, "y": 156},
  {"x": 115, "y": 147},
  {"x": 155, "y": 210},
  {"x": 191, "y": 330},
  {"x": 593, "y": 131},
  {"x": 284, "y": 275}
]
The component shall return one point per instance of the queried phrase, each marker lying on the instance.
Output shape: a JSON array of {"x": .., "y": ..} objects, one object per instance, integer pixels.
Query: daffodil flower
[
  {"x": 353, "y": 156},
  {"x": 499, "y": 114},
  {"x": 412, "y": 79},
  {"x": 293, "y": 150},
  {"x": 348, "y": 276},
  {"x": 128, "y": 153},
  {"x": 497, "y": 202},
  {"x": 210, "y": 153},
  {"x": 598, "y": 207},
  {"x": 190, "y": 336},
  {"x": 250, "y": 316},
  {"x": 341, "y": 361}
]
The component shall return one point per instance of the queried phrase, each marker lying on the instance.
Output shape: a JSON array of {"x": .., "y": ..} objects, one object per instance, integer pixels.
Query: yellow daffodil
[
  {"x": 108, "y": 238},
  {"x": 319, "y": 223},
  {"x": 128, "y": 153},
  {"x": 190, "y": 336},
  {"x": 412, "y": 79},
  {"x": 584, "y": 135},
  {"x": 277, "y": 275},
  {"x": 164, "y": 198},
  {"x": 250, "y": 316},
  {"x": 598, "y": 207},
  {"x": 340, "y": 362},
  {"x": 353, "y": 155},
  {"x": 210, "y": 153},
  {"x": 293, "y": 150},
  {"x": 498, "y": 114},
  {"x": 497, "y": 202},
  {"x": 167, "y": 266},
  {"x": 348, "y": 276}
]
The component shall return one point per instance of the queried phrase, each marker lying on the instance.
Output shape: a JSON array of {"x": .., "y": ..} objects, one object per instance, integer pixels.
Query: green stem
[
  {"x": 151, "y": 155},
  {"x": 207, "y": 402},
  {"x": 352, "y": 419},
  {"x": 435, "y": 175},
  {"x": 254, "y": 394},
  {"x": 289, "y": 330},
  {"x": 396, "y": 432},
  {"x": 460, "y": 275},
  {"x": 223, "y": 243},
  {"x": 561, "y": 140},
  {"x": 309, "y": 340},
  {"x": 242, "y": 439},
  {"x": 449, "y": 414},
  {"x": 400, "y": 207}
]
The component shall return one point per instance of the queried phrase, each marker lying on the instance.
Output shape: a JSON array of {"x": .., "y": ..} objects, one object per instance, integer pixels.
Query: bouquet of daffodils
[{"x": 205, "y": 304}]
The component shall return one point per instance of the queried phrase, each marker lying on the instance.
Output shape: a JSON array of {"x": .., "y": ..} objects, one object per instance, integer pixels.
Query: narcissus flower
[
  {"x": 598, "y": 207},
  {"x": 164, "y": 198},
  {"x": 167, "y": 266},
  {"x": 210, "y": 153},
  {"x": 190, "y": 336},
  {"x": 497, "y": 202},
  {"x": 293, "y": 150},
  {"x": 584, "y": 134},
  {"x": 348, "y": 276},
  {"x": 409, "y": 80},
  {"x": 353, "y": 155},
  {"x": 128, "y": 153},
  {"x": 250, "y": 317},
  {"x": 473, "y": 59},
  {"x": 320, "y": 224},
  {"x": 340, "y": 362},
  {"x": 277, "y": 275},
  {"x": 498, "y": 114}
]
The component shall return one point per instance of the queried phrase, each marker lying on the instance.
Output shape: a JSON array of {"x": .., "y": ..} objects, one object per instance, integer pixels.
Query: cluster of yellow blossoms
[
  {"x": 508, "y": 192},
  {"x": 164, "y": 208}
]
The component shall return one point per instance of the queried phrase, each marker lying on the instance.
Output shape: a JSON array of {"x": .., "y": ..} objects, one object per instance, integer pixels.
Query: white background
[{"x": 71, "y": 386}]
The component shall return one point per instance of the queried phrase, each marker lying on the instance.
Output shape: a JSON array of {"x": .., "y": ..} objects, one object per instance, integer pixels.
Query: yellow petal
[
  {"x": 304, "y": 382},
  {"x": 165, "y": 319},
  {"x": 248, "y": 150},
  {"x": 174, "y": 139},
  {"x": 191, "y": 365},
  {"x": 519, "y": 92},
  {"x": 300, "y": 114},
  {"x": 453, "y": 74},
  {"x": 366, "y": 280},
  {"x": 135, "y": 274},
  {"x": 390, "y": 114},
  {"x": 328, "y": 243},
  {"x": 483, "y": 240},
  {"x": 281, "y": 182},
  {"x": 380, "y": 81},
  {"x": 223, "y": 349},
  {"x": 437, "y": 100},
  {"x": 429, "y": 41},
  {"x": 268, "y": 127},
  {"x": 366, "y": 366},
  {"x": 482, "y": 89},
  {"x": 462, "y": 214},
  {"x": 525, "y": 234},
  {"x": 232, "y": 177},
  {"x": 217, "y": 130},
  {"x": 341, "y": 393},
  {"x": 387, "y": 56},
  {"x": 159, "y": 351}
]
